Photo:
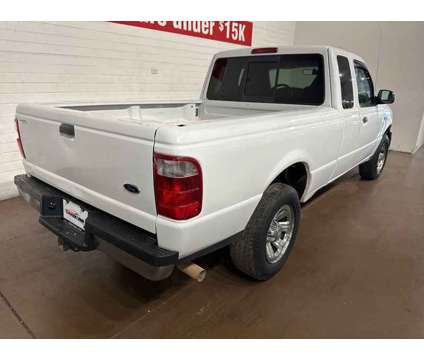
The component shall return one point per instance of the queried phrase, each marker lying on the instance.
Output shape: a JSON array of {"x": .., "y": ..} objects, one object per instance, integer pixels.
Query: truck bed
[{"x": 106, "y": 146}]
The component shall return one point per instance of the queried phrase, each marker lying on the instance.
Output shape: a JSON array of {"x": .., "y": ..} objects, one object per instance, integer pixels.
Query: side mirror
[{"x": 386, "y": 97}]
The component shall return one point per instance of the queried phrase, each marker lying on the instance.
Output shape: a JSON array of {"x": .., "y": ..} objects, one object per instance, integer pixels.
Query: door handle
[
  {"x": 67, "y": 130},
  {"x": 364, "y": 120}
]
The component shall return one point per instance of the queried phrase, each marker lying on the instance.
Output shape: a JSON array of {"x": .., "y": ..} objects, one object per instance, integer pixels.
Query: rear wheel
[
  {"x": 270, "y": 234},
  {"x": 372, "y": 169}
]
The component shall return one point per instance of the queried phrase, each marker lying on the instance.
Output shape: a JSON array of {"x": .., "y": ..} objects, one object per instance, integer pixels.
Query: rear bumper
[{"x": 128, "y": 238}]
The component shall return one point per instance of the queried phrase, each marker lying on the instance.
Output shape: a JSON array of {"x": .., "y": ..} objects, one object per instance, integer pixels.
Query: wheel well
[{"x": 296, "y": 176}]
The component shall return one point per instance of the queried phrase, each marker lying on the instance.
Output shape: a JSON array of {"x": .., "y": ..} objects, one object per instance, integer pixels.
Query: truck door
[
  {"x": 348, "y": 150},
  {"x": 370, "y": 122}
]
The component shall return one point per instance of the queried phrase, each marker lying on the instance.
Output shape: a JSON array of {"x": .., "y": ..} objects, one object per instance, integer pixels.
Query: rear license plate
[{"x": 74, "y": 214}]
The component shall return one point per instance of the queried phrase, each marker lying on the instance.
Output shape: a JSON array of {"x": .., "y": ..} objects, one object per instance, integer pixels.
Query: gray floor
[{"x": 356, "y": 271}]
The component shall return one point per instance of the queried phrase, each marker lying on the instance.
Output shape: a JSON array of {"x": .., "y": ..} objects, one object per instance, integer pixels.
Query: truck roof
[{"x": 283, "y": 49}]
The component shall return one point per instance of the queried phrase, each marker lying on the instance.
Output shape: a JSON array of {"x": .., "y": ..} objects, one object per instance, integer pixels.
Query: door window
[{"x": 365, "y": 85}]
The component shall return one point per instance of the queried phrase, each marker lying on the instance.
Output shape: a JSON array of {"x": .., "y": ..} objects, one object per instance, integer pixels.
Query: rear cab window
[{"x": 282, "y": 79}]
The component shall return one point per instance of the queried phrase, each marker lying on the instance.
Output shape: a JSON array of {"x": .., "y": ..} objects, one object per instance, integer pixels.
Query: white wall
[
  {"x": 83, "y": 61},
  {"x": 394, "y": 53},
  {"x": 420, "y": 137}
]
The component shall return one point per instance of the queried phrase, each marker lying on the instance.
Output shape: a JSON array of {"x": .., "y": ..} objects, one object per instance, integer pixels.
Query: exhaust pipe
[{"x": 194, "y": 271}]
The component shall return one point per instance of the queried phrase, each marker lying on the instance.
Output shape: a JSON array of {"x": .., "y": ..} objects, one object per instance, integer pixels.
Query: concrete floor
[{"x": 357, "y": 271}]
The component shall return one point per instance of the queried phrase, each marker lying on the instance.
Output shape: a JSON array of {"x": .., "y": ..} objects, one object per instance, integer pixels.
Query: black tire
[
  {"x": 248, "y": 252},
  {"x": 369, "y": 170}
]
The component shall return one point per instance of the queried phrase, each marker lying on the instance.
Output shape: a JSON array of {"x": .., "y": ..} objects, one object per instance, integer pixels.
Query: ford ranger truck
[{"x": 157, "y": 184}]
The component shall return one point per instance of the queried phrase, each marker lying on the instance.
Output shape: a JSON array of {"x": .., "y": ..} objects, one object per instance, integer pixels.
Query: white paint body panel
[{"x": 241, "y": 147}]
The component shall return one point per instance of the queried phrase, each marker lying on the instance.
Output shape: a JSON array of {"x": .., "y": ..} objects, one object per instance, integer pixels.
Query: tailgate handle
[{"x": 67, "y": 130}]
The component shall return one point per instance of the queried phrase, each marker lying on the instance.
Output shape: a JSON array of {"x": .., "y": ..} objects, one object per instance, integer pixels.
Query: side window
[
  {"x": 365, "y": 85},
  {"x": 345, "y": 82}
]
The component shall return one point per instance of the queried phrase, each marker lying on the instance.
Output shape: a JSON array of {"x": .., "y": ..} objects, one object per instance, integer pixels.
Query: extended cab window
[
  {"x": 365, "y": 85},
  {"x": 283, "y": 79},
  {"x": 345, "y": 82}
]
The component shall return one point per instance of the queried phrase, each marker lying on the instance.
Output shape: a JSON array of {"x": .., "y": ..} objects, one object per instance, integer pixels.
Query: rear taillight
[
  {"x": 178, "y": 186},
  {"x": 18, "y": 140}
]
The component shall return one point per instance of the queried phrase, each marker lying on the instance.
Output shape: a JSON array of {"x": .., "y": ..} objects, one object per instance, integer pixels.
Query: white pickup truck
[{"x": 158, "y": 184}]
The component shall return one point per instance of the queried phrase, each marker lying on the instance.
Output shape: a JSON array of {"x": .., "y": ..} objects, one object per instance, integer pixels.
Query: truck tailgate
[{"x": 92, "y": 159}]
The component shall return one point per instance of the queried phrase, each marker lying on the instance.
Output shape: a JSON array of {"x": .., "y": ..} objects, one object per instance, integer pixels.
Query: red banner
[{"x": 236, "y": 32}]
